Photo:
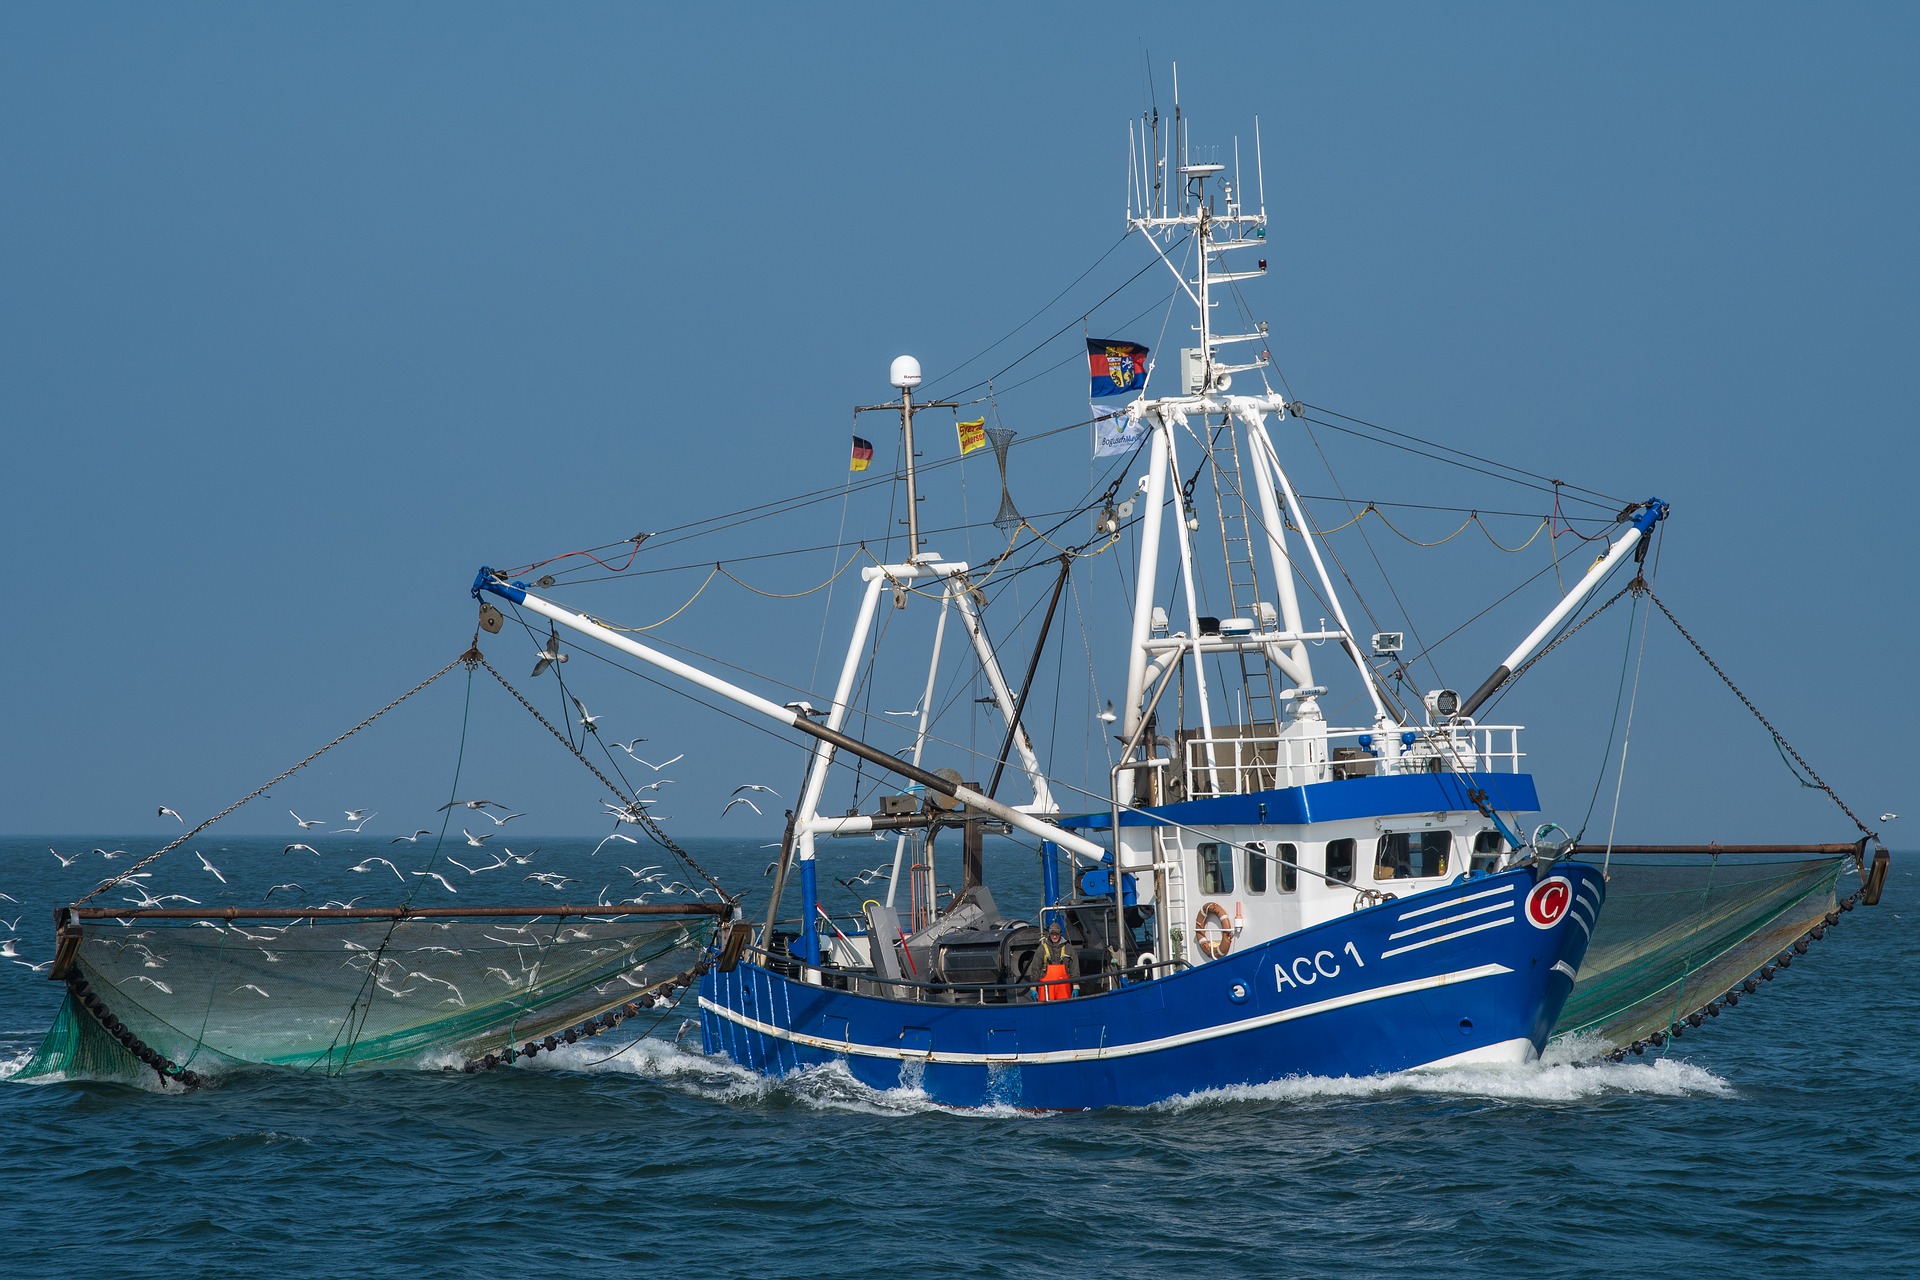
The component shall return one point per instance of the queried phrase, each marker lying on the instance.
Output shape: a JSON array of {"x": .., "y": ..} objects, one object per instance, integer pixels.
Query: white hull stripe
[
  {"x": 1443, "y": 921},
  {"x": 1457, "y": 902},
  {"x": 1446, "y": 937},
  {"x": 1100, "y": 1052}
]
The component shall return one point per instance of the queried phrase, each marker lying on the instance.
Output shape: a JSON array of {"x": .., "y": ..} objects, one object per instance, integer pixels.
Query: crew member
[{"x": 1058, "y": 966}]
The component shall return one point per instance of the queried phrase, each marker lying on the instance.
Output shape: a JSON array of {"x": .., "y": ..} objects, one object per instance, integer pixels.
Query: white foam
[{"x": 1547, "y": 1081}]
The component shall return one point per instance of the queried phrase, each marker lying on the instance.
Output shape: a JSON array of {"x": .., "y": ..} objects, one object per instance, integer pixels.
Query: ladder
[{"x": 1243, "y": 581}]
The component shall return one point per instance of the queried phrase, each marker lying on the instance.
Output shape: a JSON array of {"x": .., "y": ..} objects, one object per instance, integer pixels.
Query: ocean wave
[{"x": 1545, "y": 1081}]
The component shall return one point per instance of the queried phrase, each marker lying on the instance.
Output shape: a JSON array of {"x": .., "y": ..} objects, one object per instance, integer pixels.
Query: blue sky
[{"x": 310, "y": 311}]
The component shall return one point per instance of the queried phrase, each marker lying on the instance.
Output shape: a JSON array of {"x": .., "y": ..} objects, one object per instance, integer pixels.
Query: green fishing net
[
  {"x": 330, "y": 995},
  {"x": 1678, "y": 930}
]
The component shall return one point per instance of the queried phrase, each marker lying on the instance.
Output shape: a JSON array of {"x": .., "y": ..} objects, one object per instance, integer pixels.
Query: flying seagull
[
  {"x": 435, "y": 875},
  {"x": 501, "y": 822},
  {"x": 277, "y": 888},
  {"x": 358, "y": 817},
  {"x": 471, "y": 804},
  {"x": 309, "y": 848},
  {"x": 474, "y": 840},
  {"x": 211, "y": 869},
  {"x": 362, "y": 866},
  {"x": 615, "y": 836},
  {"x": 754, "y": 786},
  {"x": 586, "y": 720},
  {"x": 412, "y": 839},
  {"x": 169, "y": 813},
  {"x": 64, "y": 860},
  {"x": 549, "y": 655},
  {"x": 650, "y": 764},
  {"x": 740, "y": 800},
  {"x": 307, "y": 823}
]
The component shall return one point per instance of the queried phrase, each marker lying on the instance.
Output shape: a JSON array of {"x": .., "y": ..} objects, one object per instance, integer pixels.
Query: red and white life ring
[{"x": 1219, "y": 941}]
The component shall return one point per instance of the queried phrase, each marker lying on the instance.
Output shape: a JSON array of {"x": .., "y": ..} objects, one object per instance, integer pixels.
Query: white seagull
[
  {"x": 549, "y": 655},
  {"x": 754, "y": 786},
  {"x": 362, "y": 866},
  {"x": 278, "y": 887},
  {"x": 471, "y": 804},
  {"x": 587, "y": 721},
  {"x": 309, "y": 848},
  {"x": 64, "y": 860},
  {"x": 307, "y": 824},
  {"x": 474, "y": 840},
  {"x": 615, "y": 836},
  {"x": 358, "y": 817},
  {"x": 412, "y": 839},
  {"x": 211, "y": 869},
  {"x": 740, "y": 800},
  {"x": 501, "y": 822},
  {"x": 169, "y": 813},
  {"x": 650, "y": 764},
  {"x": 435, "y": 875}
]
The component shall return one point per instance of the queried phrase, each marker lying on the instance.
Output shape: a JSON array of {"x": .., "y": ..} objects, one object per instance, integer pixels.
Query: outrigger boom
[{"x": 489, "y": 580}]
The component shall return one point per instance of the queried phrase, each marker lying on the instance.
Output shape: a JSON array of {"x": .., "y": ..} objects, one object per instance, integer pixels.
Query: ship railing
[
  {"x": 949, "y": 991},
  {"x": 1239, "y": 762}
]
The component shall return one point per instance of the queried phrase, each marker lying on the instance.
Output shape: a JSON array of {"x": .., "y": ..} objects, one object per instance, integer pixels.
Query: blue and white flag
[{"x": 1114, "y": 432}]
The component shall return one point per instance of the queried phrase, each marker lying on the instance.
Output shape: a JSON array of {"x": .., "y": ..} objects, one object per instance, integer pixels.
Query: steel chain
[
  {"x": 634, "y": 811},
  {"x": 261, "y": 790},
  {"x": 1765, "y": 723}
]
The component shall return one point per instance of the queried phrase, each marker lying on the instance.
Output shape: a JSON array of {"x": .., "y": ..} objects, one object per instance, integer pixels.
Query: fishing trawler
[
  {"x": 1251, "y": 892},
  {"x": 1264, "y": 893}
]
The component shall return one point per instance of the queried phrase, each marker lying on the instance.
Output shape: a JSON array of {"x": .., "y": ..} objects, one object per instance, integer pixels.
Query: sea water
[{"x": 1781, "y": 1139}]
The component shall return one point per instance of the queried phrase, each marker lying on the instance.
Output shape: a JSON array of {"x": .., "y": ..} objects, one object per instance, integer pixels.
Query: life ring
[{"x": 1213, "y": 947}]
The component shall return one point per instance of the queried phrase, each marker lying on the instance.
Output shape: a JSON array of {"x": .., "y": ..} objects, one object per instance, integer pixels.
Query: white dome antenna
[{"x": 905, "y": 372}]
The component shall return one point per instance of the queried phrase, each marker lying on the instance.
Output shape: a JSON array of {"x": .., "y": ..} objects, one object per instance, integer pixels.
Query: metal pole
[{"x": 913, "y": 509}]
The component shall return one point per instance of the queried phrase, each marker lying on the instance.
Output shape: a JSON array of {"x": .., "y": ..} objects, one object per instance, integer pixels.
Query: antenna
[{"x": 1259, "y": 170}]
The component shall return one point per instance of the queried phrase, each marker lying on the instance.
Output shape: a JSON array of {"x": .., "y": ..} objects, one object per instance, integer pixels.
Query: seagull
[
  {"x": 641, "y": 874},
  {"x": 650, "y": 764},
  {"x": 412, "y": 839},
  {"x": 803, "y": 707},
  {"x": 471, "y": 804},
  {"x": 501, "y": 822},
  {"x": 435, "y": 875},
  {"x": 36, "y": 967},
  {"x": 277, "y": 888},
  {"x": 629, "y": 745},
  {"x": 6, "y": 948},
  {"x": 110, "y": 856},
  {"x": 358, "y": 817},
  {"x": 740, "y": 800},
  {"x": 474, "y": 840},
  {"x": 586, "y": 720},
  {"x": 9, "y": 897},
  {"x": 474, "y": 871},
  {"x": 1107, "y": 716},
  {"x": 169, "y": 813},
  {"x": 655, "y": 786},
  {"x": 1888, "y": 817},
  {"x": 307, "y": 823},
  {"x": 754, "y": 786},
  {"x": 910, "y": 711},
  {"x": 64, "y": 861},
  {"x": 553, "y": 879},
  {"x": 309, "y": 848},
  {"x": 615, "y": 836},
  {"x": 250, "y": 987},
  {"x": 362, "y": 866},
  {"x": 211, "y": 869},
  {"x": 141, "y": 977},
  {"x": 549, "y": 655}
]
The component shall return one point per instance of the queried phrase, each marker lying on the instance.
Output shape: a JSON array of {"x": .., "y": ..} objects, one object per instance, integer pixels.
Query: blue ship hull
[{"x": 1467, "y": 972}]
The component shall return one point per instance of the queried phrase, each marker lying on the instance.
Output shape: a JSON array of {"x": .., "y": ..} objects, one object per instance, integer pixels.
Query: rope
[
  {"x": 468, "y": 657},
  {"x": 786, "y": 595},
  {"x": 633, "y": 811},
  {"x": 1780, "y": 742}
]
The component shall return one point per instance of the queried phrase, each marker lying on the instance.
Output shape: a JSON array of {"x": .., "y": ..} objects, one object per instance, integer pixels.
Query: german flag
[{"x": 862, "y": 454}]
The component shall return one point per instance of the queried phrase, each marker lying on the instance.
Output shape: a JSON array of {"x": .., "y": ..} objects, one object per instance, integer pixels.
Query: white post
[
  {"x": 1003, "y": 697},
  {"x": 1145, "y": 576},
  {"x": 1293, "y": 658}
]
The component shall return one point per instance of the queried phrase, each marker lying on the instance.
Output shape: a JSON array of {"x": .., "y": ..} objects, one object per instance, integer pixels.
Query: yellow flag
[{"x": 973, "y": 435}]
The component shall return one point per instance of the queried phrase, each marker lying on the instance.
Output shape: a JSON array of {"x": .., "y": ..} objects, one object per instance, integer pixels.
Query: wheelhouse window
[
  {"x": 1412, "y": 855},
  {"x": 1289, "y": 860},
  {"x": 1257, "y": 876},
  {"x": 1216, "y": 868},
  {"x": 1340, "y": 860},
  {"x": 1487, "y": 848}
]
